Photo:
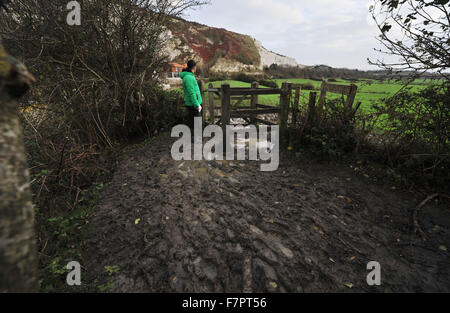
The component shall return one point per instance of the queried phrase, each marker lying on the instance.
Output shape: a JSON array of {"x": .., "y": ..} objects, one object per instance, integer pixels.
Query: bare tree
[
  {"x": 94, "y": 85},
  {"x": 96, "y": 72},
  {"x": 18, "y": 262},
  {"x": 415, "y": 31}
]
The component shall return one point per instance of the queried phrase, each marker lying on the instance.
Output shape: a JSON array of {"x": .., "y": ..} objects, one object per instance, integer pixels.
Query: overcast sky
[{"x": 338, "y": 33}]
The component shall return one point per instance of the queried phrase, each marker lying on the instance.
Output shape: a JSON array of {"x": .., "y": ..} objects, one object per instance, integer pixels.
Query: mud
[{"x": 227, "y": 227}]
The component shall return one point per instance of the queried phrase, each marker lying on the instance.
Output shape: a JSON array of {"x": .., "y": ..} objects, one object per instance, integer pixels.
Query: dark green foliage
[
  {"x": 407, "y": 134},
  {"x": 218, "y": 77},
  {"x": 308, "y": 86},
  {"x": 417, "y": 131},
  {"x": 245, "y": 78},
  {"x": 332, "y": 134},
  {"x": 243, "y": 59},
  {"x": 268, "y": 83}
]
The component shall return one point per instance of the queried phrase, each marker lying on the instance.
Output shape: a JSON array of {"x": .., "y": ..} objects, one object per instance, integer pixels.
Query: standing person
[{"x": 192, "y": 94}]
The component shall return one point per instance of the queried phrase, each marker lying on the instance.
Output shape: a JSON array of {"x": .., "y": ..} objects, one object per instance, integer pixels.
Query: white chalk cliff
[{"x": 268, "y": 57}]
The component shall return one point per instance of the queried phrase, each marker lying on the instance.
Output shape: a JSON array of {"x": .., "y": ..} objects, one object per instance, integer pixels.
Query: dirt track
[{"x": 227, "y": 227}]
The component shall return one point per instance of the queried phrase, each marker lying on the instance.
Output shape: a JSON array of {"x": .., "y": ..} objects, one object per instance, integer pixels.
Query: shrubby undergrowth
[
  {"x": 407, "y": 133},
  {"x": 97, "y": 92}
]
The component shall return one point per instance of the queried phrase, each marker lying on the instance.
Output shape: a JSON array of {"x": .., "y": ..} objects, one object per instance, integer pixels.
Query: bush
[
  {"x": 308, "y": 86},
  {"x": 330, "y": 134},
  {"x": 217, "y": 77},
  {"x": 414, "y": 131},
  {"x": 251, "y": 79},
  {"x": 242, "y": 58},
  {"x": 268, "y": 83},
  {"x": 245, "y": 78}
]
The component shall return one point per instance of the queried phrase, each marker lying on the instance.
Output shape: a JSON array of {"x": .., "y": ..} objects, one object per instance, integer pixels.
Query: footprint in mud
[{"x": 227, "y": 227}]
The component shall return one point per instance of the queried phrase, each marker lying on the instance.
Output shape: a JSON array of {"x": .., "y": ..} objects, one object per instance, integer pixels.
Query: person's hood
[{"x": 184, "y": 74}]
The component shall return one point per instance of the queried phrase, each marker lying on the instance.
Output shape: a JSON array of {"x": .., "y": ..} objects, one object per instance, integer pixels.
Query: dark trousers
[{"x": 192, "y": 114}]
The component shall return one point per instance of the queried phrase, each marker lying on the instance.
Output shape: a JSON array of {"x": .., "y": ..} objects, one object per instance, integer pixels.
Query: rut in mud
[{"x": 227, "y": 227}]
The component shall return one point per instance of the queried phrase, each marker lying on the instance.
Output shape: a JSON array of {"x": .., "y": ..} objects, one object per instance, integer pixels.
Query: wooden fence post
[
  {"x": 312, "y": 109},
  {"x": 352, "y": 95},
  {"x": 323, "y": 95},
  {"x": 201, "y": 85},
  {"x": 285, "y": 100},
  {"x": 254, "y": 102},
  {"x": 226, "y": 103},
  {"x": 350, "y": 100},
  {"x": 212, "y": 108},
  {"x": 295, "y": 105}
]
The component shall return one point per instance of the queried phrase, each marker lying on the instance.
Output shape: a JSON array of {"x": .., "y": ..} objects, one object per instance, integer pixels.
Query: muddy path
[{"x": 227, "y": 227}]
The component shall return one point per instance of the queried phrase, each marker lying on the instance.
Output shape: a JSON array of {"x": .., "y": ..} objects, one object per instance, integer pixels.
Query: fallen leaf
[
  {"x": 290, "y": 148},
  {"x": 443, "y": 248},
  {"x": 349, "y": 285},
  {"x": 352, "y": 258},
  {"x": 317, "y": 229},
  {"x": 202, "y": 170},
  {"x": 273, "y": 284},
  {"x": 137, "y": 221},
  {"x": 272, "y": 221},
  {"x": 332, "y": 260},
  {"x": 220, "y": 173}
]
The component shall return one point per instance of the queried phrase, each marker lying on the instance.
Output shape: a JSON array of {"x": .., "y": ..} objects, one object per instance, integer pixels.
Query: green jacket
[{"x": 192, "y": 95}]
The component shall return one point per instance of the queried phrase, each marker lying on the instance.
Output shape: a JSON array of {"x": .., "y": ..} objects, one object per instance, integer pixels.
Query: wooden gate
[
  {"x": 229, "y": 110},
  {"x": 287, "y": 108}
]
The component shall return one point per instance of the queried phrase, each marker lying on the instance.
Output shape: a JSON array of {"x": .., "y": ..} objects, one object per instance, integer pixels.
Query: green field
[{"x": 369, "y": 91}]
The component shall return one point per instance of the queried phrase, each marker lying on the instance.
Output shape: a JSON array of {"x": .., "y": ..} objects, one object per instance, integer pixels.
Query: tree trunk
[{"x": 18, "y": 262}]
